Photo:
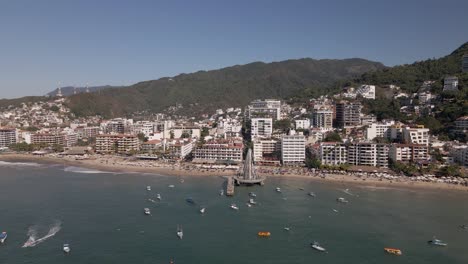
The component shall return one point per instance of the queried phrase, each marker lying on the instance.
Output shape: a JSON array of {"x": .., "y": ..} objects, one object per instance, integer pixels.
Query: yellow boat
[
  {"x": 394, "y": 251},
  {"x": 264, "y": 234}
]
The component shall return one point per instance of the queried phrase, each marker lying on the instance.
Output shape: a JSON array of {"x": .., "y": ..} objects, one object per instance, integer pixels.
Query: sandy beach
[{"x": 120, "y": 164}]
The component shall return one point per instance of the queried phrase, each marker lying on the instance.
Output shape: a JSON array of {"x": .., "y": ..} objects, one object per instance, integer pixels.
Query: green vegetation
[
  {"x": 332, "y": 137},
  {"x": 283, "y": 125},
  {"x": 142, "y": 137},
  {"x": 25, "y": 147}
]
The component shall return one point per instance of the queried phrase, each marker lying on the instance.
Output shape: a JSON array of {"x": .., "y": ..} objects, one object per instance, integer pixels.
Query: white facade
[
  {"x": 262, "y": 147},
  {"x": 366, "y": 91},
  {"x": 322, "y": 118},
  {"x": 264, "y": 108},
  {"x": 451, "y": 83},
  {"x": 379, "y": 130},
  {"x": 416, "y": 135},
  {"x": 261, "y": 127},
  {"x": 333, "y": 153},
  {"x": 408, "y": 152},
  {"x": 368, "y": 154},
  {"x": 302, "y": 123},
  {"x": 293, "y": 149}
]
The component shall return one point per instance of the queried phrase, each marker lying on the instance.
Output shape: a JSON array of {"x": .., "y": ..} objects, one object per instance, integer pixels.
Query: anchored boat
[
  {"x": 234, "y": 207},
  {"x": 437, "y": 242},
  {"x": 394, "y": 251},
  {"x": 341, "y": 200},
  {"x": 148, "y": 188},
  {"x": 147, "y": 211},
  {"x": 66, "y": 248},
  {"x": 318, "y": 247},
  {"x": 180, "y": 232},
  {"x": 3, "y": 237}
]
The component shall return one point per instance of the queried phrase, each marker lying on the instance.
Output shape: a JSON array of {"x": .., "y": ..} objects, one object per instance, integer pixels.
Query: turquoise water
[{"x": 101, "y": 216}]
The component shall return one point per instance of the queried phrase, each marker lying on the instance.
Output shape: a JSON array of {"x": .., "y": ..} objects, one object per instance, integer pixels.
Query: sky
[{"x": 50, "y": 43}]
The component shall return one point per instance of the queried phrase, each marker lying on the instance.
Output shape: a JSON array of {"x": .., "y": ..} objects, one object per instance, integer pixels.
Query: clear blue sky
[{"x": 43, "y": 43}]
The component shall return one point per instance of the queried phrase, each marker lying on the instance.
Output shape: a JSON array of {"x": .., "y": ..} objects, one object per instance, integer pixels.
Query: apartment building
[
  {"x": 302, "y": 123},
  {"x": 379, "y": 130},
  {"x": 264, "y": 108},
  {"x": 408, "y": 152},
  {"x": 180, "y": 148},
  {"x": 7, "y": 137},
  {"x": 322, "y": 117},
  {"x": 225, "y": 150},
  {"x": 333, "y": 153},
  {"x": 293, "y": 149},
  {"x": 416, "y": 135},
  {"x": 461, "y": 124},
  {"x": 451, "y": 83},
  {"x": 121, "y": 143},
  {"x": 366, "y": 91},
  {"x": 348, "y": 114},
  {"x": 261, "y": 127},
  {"x": 265, "y": 149},
  {"x": 151, "y": 145},
  {"x": 368, "y": 154}
]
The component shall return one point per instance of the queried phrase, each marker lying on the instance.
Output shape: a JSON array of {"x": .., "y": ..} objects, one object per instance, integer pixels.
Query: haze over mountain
[{"x": 71, "y": 90}]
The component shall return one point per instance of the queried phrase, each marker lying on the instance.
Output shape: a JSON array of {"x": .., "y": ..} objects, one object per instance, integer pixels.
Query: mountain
[
  {"x": 204, "y": 91},
  {"x": 71, "y": 90}
]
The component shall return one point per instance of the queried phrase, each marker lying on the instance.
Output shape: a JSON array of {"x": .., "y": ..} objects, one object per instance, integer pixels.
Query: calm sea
[{"x": 101, "y": 216}]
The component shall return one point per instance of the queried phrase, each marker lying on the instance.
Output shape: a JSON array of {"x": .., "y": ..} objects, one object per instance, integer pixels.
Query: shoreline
[{"x": 121, "y": 165}]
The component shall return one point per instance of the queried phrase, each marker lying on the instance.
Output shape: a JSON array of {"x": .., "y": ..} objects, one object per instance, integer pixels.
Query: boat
[
  {"x": 3, "y": 237},
  {"x": 317, "y": 247},
  {"x": 251, "y": 201},
  {"x": 171, "y": 186},
  {"x": 202, "y": 211},
  {"x": 248, "y": 205},
  {"x": 148, "y": 188},
  {"x": 301, "y": 189},
  {"x": 287, "y": 228},
  {"x": 234, "y": 207},
  {"x": 311, "y": 194},
  {"x": 437, "y": 242},
  {"x": 182, "y": 180},
  {"x": 190, "y": 200},
  {"x": 336, "y": 211},
  {"x": 147, "y": 211},
  {"x": 66, "y": 248},
  {"x": 221, "y": 192},
  {"x": 252, "y": 194},
  {"x": 180, "y": 232},
  {"x": 264, "y": 234},
  {"x": 464, "y": 227},
  {"x": 158, "y": 196},
  {"x": 341, "y": 200},
  {"x": 394, "y": 251},
  {"x": 278, "y": 189}
]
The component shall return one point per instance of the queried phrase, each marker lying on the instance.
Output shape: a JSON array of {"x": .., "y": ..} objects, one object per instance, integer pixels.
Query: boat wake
[
  {"x": 83, "y": 170},
  {"x": 19, "y": 164},
  {"x": 32, "y": 233}
]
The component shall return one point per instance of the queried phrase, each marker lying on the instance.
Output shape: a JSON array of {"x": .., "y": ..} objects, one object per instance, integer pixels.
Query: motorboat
[
  {"x": 318, "y": 247},
  {"x": 287, "y": 228},
  {"x": 234, "y": 207},
  {"x": 147, "y": 211},
  {"x": 158, "y": 196},
  {"x": 264, "y": 234},
  {"x": 394, "y": 251},
  {"x": 3, "y": 237},
  {"x": 66, "y": 248},
  {"x": 336, "y": 211},
  {"x": 148, "y": 188},
  {"x": 341, "y": 200},
  {"x": 171, "y": 186},
  {"x": 221, "y": 192},
  {"x": 437, "y": 242},
  {"x": 202, "y": 211},
  {"x": 311, "y": 194},
  {"x": 180, "y": 232},
  {"x": 251, "y": 201},
  {"x": 252, "y": 194},
  {"x": 248, "y": 205},
  {"x": 278, "y": 189}
]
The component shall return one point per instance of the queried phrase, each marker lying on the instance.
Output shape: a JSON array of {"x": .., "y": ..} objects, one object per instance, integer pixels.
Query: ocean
[{"x": 100, "y": 214}]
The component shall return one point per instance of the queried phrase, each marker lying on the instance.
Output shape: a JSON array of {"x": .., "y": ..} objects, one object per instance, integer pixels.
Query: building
[
  {"x": 417, "y": 135},
  {"x": 348, "y": 114},
  {"x": 381, "y": 130},
  {"x": 424, "y": 97},
  {"x": 49, "y": 139},
  {"x": 333, "y": 153},
  {"x": 220, "y": 150},
  {"x": 180, "y": 149},
  {"x": 7, "y": 137},
  {"x": 121, "y": 143},
  {"x": 261, "y": 127},
  {"x": 460, "y": 155},
  {"x": 177, "y": 132},
  {"x": 293, "y": 149},
  {"x": 451, "y": 83},
  {"x": 151, "y": 145},
  {"x": 302, "y": 123},
  {"x": 461, "y": 124},
  {"x": 322, "y": 117},
  {"x": 408, "y": 152},
  {"x": 118, "y": 126},
  {"x": 266, "y": 150},
  {"x": 368, "y": 154},
  {"x": 264, "y": 108},
  {"x": 465, "y": 63},
  {"x": 366, "y": 91}
]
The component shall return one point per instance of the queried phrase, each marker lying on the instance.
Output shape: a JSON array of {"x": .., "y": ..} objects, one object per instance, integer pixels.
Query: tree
[
  {"x": 332, "y": 137},
  {"x": 54, "y": 108},
  {"x": 185, "y": 135},
  {"x": 283, "y": 125},
  {"x": 142, "y": 137},
  {"x": 313, "y": 163}
]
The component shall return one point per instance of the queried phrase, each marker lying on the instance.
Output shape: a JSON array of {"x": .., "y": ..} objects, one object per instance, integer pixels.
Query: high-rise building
[
  {"x": 368, "y": 154},
  {"x": 322, "y": 117},
  {"x": 264, "y": 108},
  {"x": 416, "y": 135},
  {"x": 451, "y": 83},
  {"x": 7, "y": 137},
  {"x": 117, "y": 143},
  {"x": 302, "y": 123},
  {"x": 221, "y": 150},
  {"x": 408, "y": 152},
  {"x": 465, "y": 63},
  {"x": 348, "y": 114},
  {"x": 381, "y": 130},
  {"x": 293, "y": 149},
  {"x": 333, "y": 153},
  {"x": 261, "y": 127},
  {"x": 265, "y": 150}
]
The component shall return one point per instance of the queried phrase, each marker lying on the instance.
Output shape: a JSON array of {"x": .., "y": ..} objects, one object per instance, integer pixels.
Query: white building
[
  {"x": 408, "y": 152},
  {"x": 416, "y": 135},
  {"x": 451, "y": 83},
  {"x": 264, "y": 108},
  {"x": 368, "y": 154},
  {"x": 180, "y": 148},
  {"x": 224, "y": 150},
  {"x": 366, "y": 91},
  {"x": 117, "y": 143},
  {"x": 261, "y": 127},
  {"x": 265, "y": 149},
  {"x": 379, "y": 130},
  {"x": 293, "y": 149},
  {"x": 302, "y": 123},
  {"x": 322, "y": 117},
  {"x": 333, "y": 153},
  {"x": 7, "y": 137}
]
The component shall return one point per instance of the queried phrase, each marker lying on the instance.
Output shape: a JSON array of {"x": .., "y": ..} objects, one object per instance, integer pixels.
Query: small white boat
[
  {"x": 251, "y": 201},
  {"x": 234, "y": 207},
  {"x": 147, "y": 211},
  {"x": 248, "y": 205},
  {"x": 311, "y": 194},
  {"x": 278, "y": 189},
  {"x": 180, "y": 232},
  {"x": 287, "y": 228},
  {"x": 341, "y": 200},
  {"x": 317, "y": 247},
  {"x": 171, "y": 186},
  {"x": 148, "y": 188},
  {"x": 202, "y": 211},
  {"x": 221, "y": 192},
  {"x": 437, "y": 242},
  {"x": 3, "y": 237},
  {"x": 252, "y": 194},
  {"x": 66, "y": 248},
  {"x": 336, "y": 211},
  {"x": 158, "y": 196}
]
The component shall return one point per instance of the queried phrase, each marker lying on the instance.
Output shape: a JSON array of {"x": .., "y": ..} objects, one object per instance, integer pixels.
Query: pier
[
  {"x": 230, "y": 186},
  {"x": 247, "y": 174}
]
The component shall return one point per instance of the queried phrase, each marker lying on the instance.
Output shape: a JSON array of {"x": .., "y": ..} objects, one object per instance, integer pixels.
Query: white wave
[
  {"x": 18, "y": 164},
  {"x": 32, "y": 233},
  {"x": 83, "y": 170}
]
